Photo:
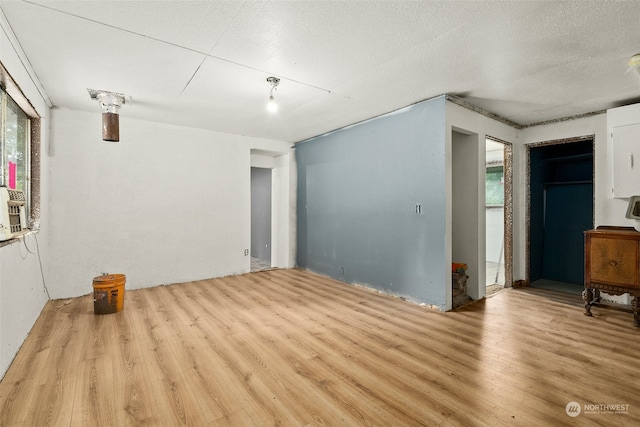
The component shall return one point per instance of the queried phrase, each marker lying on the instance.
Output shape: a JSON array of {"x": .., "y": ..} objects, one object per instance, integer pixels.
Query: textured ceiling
[{"x": 205, "y": 63}]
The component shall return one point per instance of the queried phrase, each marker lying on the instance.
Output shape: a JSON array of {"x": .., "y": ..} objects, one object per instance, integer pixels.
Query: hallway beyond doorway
[
  {"x": 258, "y": 264},
  {"x": 495, "y": 274},
  {"x": 494, "y": 278}
]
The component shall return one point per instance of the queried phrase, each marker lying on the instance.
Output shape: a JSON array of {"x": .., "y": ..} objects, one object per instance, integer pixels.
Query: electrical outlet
[
  {"x": 246, "y": 252},
  {"x": 418, "y": 208}
]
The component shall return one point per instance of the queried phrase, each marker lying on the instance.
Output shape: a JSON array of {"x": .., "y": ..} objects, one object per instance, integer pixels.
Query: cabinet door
[
  {"x": 626, "y": 161},
  {"x": 614, "y": 261}
]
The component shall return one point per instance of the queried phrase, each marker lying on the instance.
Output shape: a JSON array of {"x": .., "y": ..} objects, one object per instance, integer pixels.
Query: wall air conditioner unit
[{"x": 13, "y": 218}]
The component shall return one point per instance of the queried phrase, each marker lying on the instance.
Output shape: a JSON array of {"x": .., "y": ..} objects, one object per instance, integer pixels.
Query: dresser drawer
[{"x": 614, "y": 261}]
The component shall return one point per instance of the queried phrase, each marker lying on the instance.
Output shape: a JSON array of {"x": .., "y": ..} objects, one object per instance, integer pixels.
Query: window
[
  {"x": 14, "y": 145},
  {"x": 20, "y": 145},
  {"x": 495, "y": 186}
]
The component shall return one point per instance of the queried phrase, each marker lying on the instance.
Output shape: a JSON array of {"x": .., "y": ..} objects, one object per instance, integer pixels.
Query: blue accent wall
[{"x": 371, "y": 203}]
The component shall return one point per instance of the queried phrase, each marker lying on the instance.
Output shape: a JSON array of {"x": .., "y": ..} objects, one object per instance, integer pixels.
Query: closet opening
[{"x": 560, "y": 209}]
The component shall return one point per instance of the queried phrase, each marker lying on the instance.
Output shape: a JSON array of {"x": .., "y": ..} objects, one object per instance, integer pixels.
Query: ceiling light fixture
[
  {"x": 110, "y": 103},
  {"x": 272, "y": 106}
]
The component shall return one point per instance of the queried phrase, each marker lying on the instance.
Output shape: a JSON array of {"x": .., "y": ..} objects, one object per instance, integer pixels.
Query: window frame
[{"x": 32, "y": 181}]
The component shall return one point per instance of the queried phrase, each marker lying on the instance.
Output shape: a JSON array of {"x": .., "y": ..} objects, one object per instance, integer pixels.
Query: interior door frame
[
  {"x": 583, "y": 138},
  {"x": 508, "y": 210}
]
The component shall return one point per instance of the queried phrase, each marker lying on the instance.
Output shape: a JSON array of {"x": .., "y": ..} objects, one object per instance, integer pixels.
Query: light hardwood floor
[{"x": 290, "y": 348}]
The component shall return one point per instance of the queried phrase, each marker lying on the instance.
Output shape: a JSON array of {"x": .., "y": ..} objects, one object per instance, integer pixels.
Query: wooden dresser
[{"x": 612, "y": 264}]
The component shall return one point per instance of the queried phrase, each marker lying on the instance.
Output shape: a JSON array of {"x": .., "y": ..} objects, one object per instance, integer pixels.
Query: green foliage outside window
[{"x": 494, "y": 186}]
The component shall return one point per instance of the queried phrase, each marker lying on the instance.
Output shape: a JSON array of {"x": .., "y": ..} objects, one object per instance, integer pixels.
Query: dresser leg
[
  {"x": 635, "y": 306},
  {"x": 587, "y": 296}
]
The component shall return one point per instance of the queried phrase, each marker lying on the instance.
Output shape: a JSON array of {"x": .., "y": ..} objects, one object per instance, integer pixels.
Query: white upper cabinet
[
  {"x": 623, "y": 125},
  {"x": 626, "y": 160}
]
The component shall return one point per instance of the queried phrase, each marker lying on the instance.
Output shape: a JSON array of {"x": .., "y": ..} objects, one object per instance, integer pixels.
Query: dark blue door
[{"x": 568, "y": 213}]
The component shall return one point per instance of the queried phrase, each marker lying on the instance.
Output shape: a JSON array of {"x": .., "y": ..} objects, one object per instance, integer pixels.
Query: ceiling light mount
[
  {"x": 273, "y": 82},
  {"x": 110, "y": 103}
]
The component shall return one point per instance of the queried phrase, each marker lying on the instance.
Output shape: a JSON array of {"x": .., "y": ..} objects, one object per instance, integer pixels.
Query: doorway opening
[
  {"x": 498, "y": 215},
  {"x": 465, "y": 215},
  {"x": 260, "y": 219},
  {"x": 560, "y": 208}
]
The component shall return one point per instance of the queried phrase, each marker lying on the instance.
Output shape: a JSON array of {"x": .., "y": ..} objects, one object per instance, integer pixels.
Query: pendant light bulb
[{"x": 272, "y": 106}]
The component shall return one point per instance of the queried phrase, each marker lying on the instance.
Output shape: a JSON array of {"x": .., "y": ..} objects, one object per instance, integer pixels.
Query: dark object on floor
[{"x": 459, "y": 289}]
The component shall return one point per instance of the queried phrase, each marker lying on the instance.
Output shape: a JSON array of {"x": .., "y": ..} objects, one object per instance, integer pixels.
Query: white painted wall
[
  {"x": 22, "y": 294},
  {"x": 467, "y": 192},
  {"x": 495, "y": 151},
  {"x": 495, "y": 231},
  {"x": 166, "y": 204},
  {"x": 283, "y": 218}
]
